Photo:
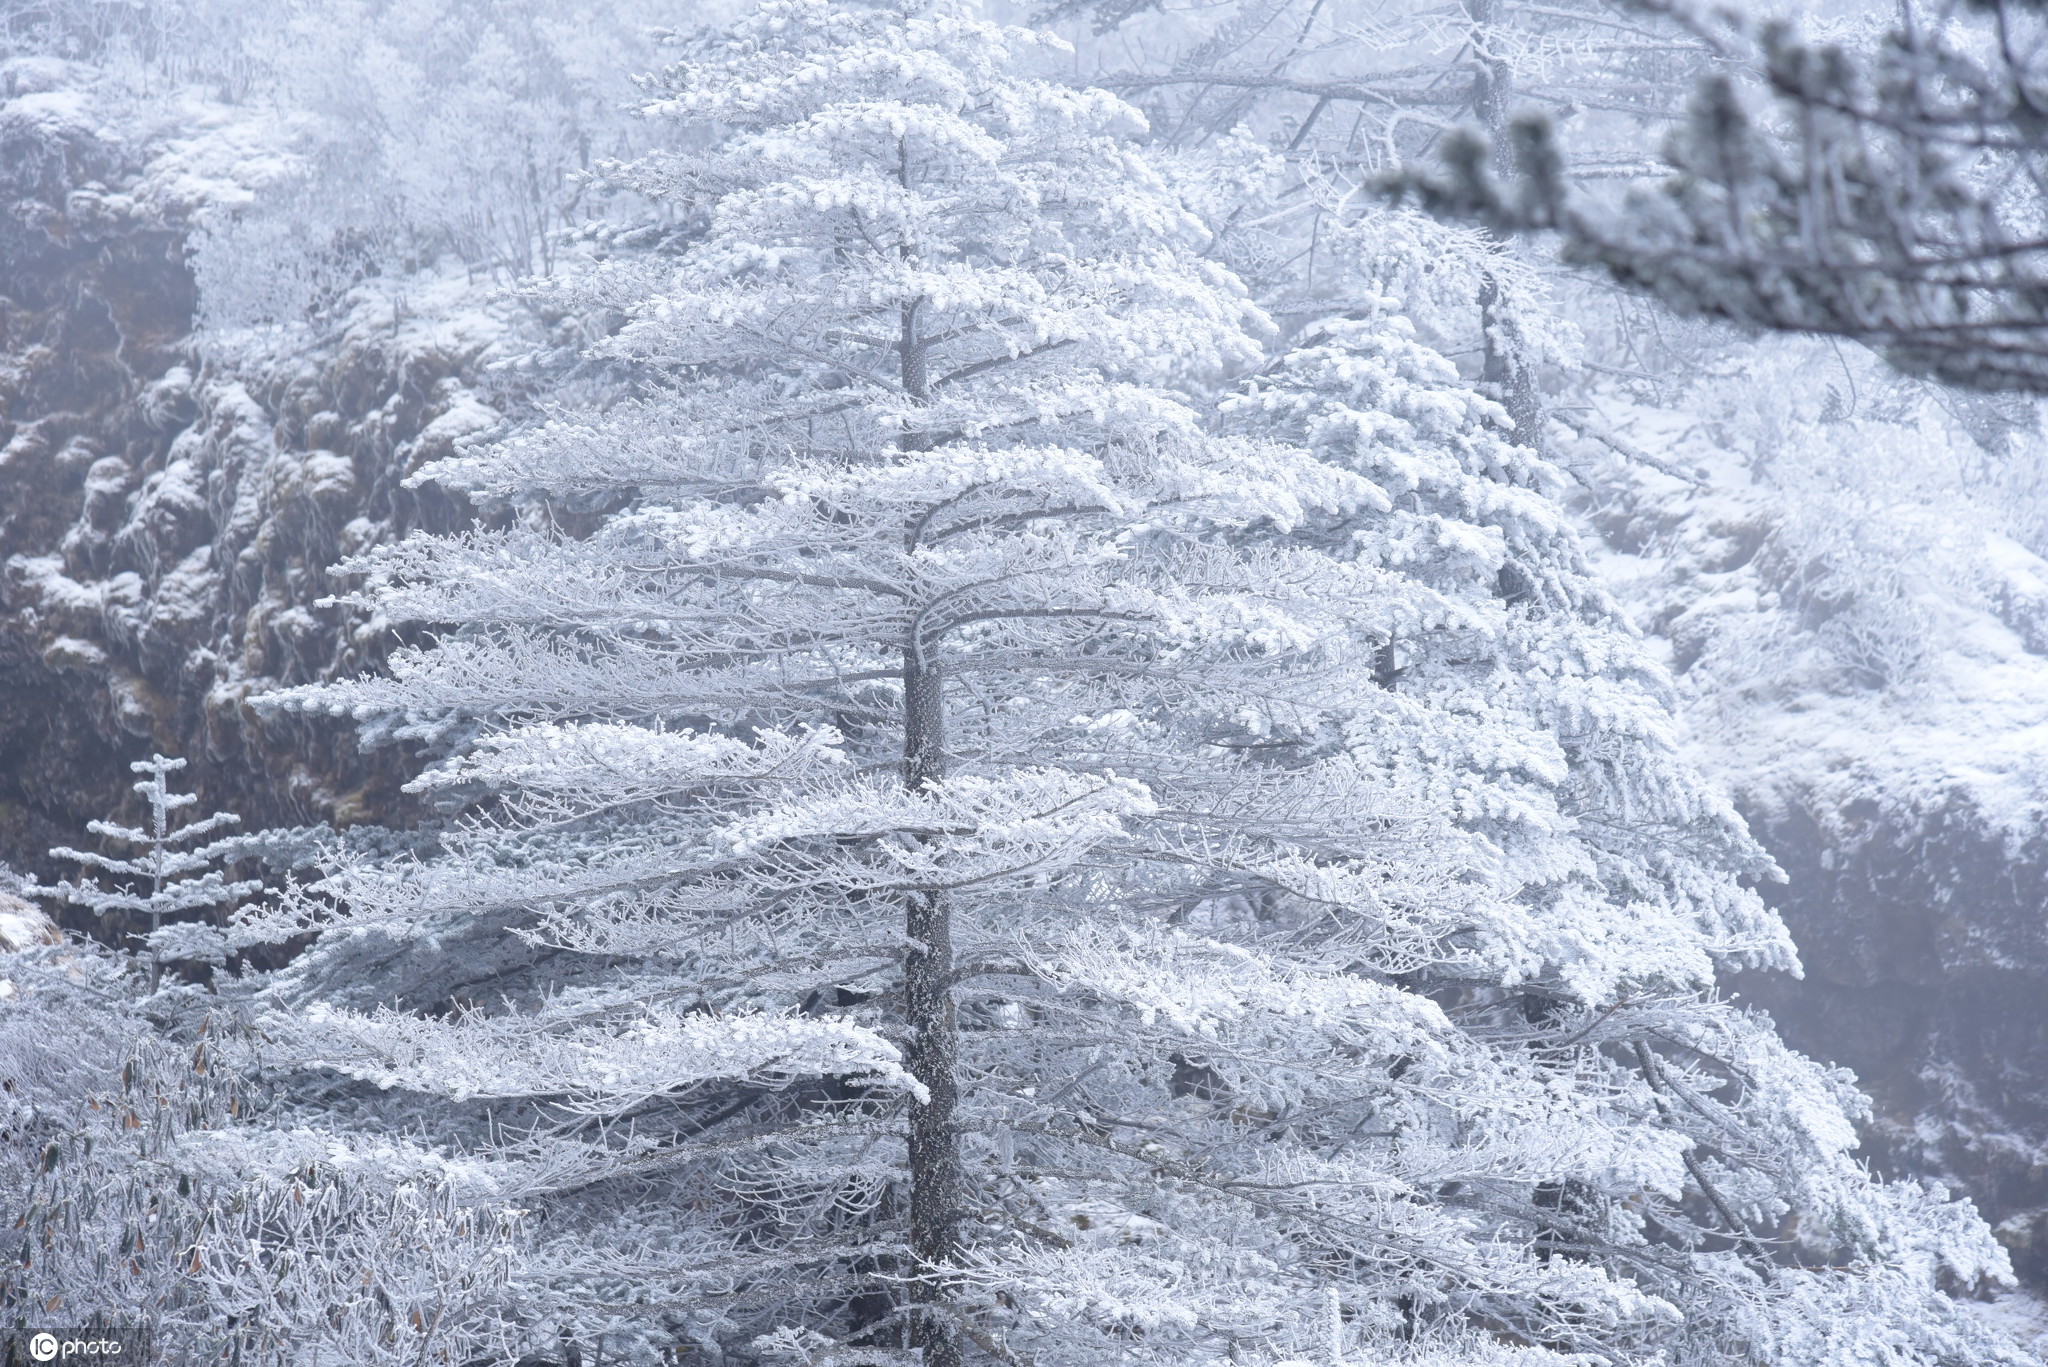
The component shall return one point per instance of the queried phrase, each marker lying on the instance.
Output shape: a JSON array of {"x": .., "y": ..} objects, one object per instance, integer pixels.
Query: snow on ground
[
  {"x": 23, "y": 924},
  {"x": 2020, "y": 1315}
]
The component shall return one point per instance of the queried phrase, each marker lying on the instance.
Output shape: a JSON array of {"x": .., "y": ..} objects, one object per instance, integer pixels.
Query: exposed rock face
[
  {"x": 1926, "y": 955},
  {"x": 167, "y": 518},
  {"x": 94, "y": 306}
]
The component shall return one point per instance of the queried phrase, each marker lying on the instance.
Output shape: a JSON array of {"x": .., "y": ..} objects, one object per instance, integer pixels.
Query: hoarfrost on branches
[
  {"x": 1024, "y": 759},
  {"x": 168, "y": 877},
  {"x": 1259, "y": 839}
]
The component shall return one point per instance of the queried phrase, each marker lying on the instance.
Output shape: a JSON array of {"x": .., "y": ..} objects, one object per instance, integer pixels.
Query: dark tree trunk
[
  {"x": 933, "y": 1030},
  {"x": 1507, "y": 370},
  {"x": 1508, "y": 373}
]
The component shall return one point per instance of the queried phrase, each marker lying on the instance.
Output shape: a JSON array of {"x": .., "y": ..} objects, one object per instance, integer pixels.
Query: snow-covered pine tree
[
  {"x": 1343, "y": 101},
  {"x": 1611, "y": 841},
  {"x": 180, "y": 877},
  {"x": 1538, "y": 721},
  {"x": 954, "y": 867}
]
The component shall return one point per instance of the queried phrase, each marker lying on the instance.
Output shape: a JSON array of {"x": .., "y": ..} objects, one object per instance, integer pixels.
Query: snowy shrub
[{"x": 144, "y": 1185}]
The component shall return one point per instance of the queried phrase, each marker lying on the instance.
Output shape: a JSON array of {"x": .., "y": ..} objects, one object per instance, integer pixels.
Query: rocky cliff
[
  {"x": 168, "y": 510},
  {"x": 1925, "y": 946}
]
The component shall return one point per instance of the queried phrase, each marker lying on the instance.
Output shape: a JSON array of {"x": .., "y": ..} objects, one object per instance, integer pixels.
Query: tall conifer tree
[{"x": 969, "y": 859}]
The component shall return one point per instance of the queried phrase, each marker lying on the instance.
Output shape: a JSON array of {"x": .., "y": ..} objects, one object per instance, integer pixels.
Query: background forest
[{"x": 1382, "y": 626}]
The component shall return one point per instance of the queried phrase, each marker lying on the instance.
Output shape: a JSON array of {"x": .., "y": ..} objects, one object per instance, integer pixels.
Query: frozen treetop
[{"x": 168, "y": 875}]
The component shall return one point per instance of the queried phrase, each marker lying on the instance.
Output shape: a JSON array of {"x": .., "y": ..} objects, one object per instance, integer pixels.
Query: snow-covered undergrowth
[
  {"x": 1844, "y": 572},
  {"x": 1854, "y": 597},
  {"x": 136, "y": 1197}
]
